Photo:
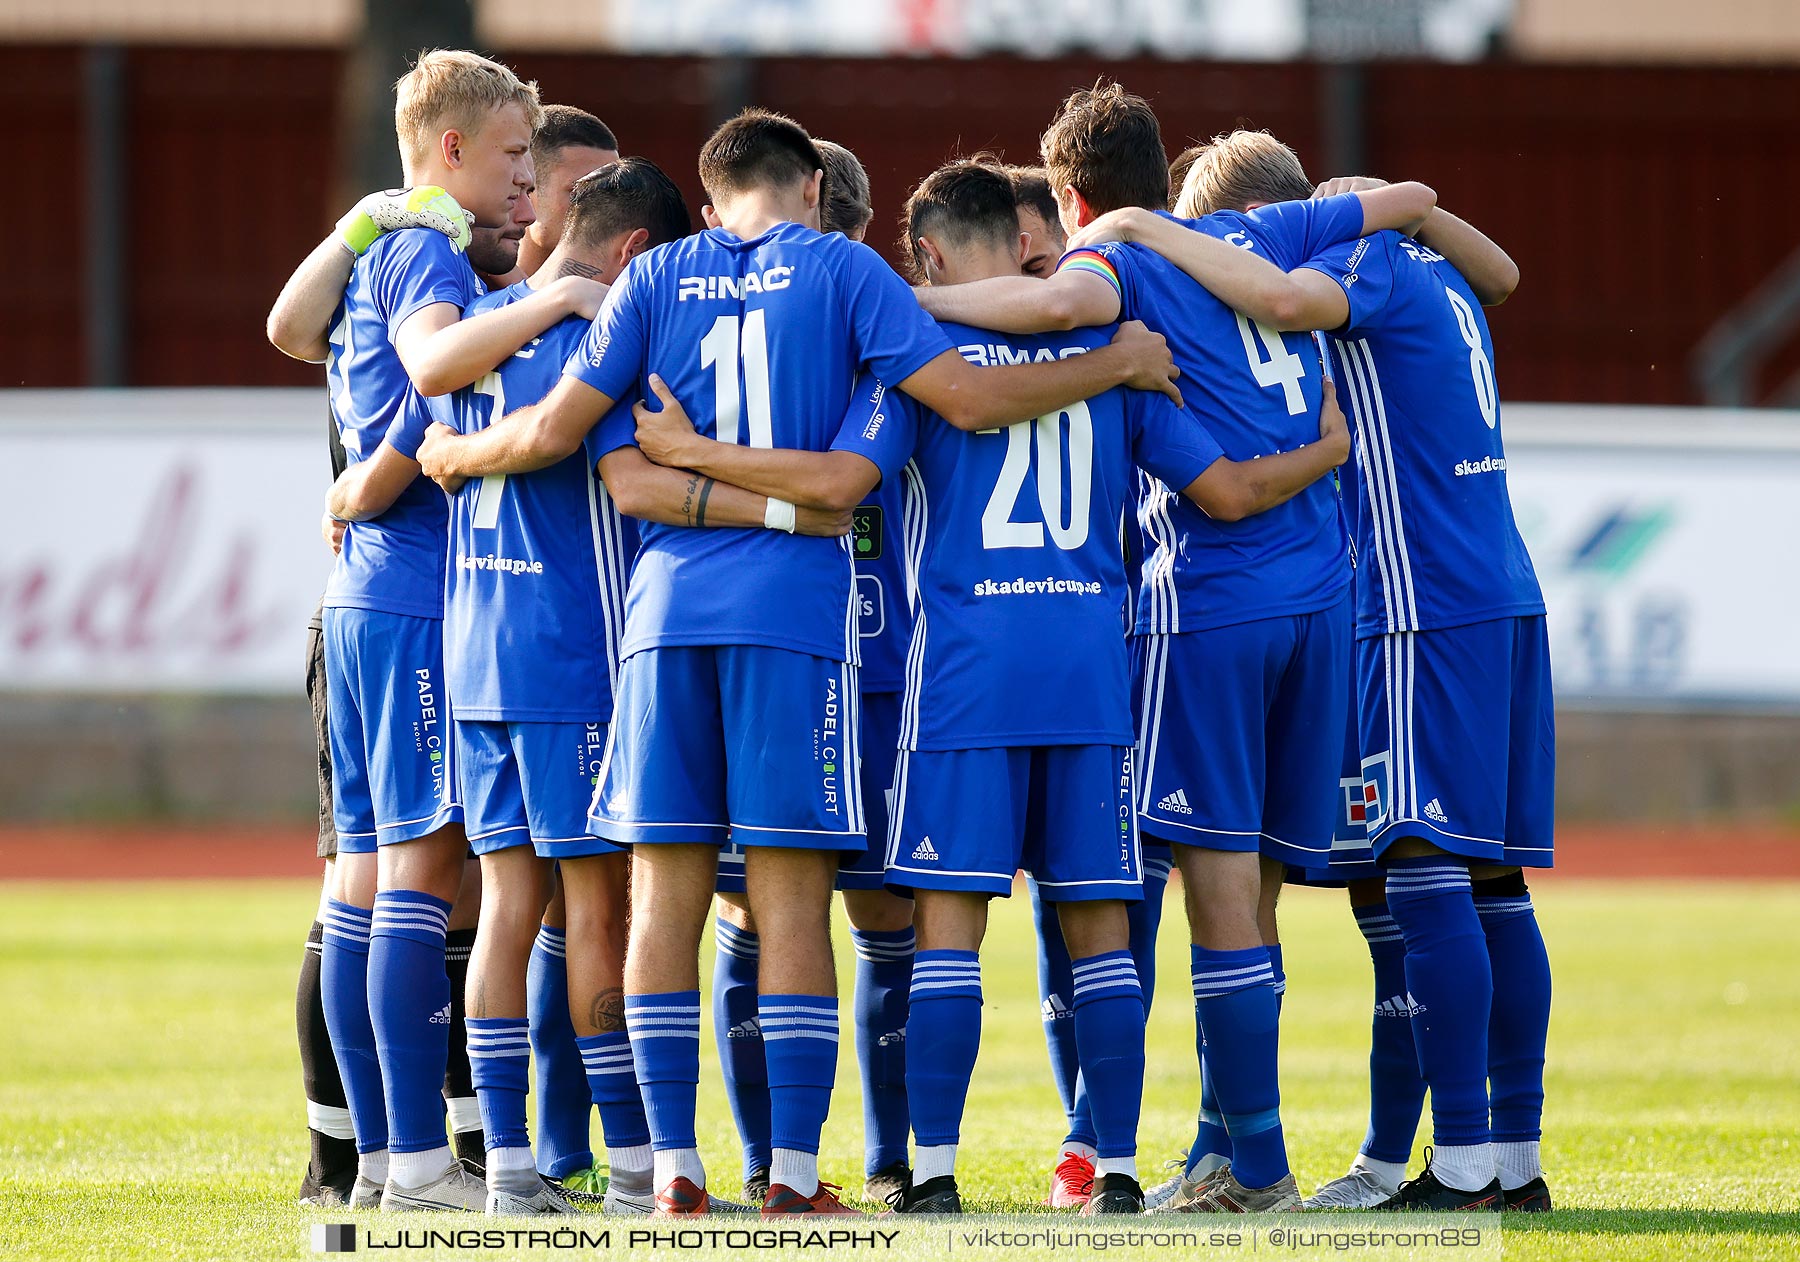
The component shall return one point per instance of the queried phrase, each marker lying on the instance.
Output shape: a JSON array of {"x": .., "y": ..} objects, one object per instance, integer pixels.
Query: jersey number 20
[{"x": 998, "y": 529}]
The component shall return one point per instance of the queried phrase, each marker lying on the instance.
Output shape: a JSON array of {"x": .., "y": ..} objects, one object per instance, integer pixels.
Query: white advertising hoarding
[
  {"x": 162, "y": 540},
  {"x": 167, "y": 541}
]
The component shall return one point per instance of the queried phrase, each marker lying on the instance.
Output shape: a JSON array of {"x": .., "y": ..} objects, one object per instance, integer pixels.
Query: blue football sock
[
  {"x": 1280, "y": 974},
  {"x": 613, "y": 1087},
  {"x": 1234, "y": 993},
  {"x": 1451, "y": 984},
  {"x": 665, "y": 1051},
  {"x": 1109, "y": 1036},
  {"x": 1056, "y": 994},
  {"x": 943, "y": 1035},
  {"x": 800, "y": 1044},
  {"x": 1146, "y": 920},
  {"x": 1396, "y": 1092},
  {"x": 1210, "y": 1136},
  {"x": 1520, "y": 1020},
  {"x": 344, "y": 989},
  {"x": 500, "y": 1064},
  {"x": 409, "y": 1002},
  {"x": 563, "y": 1103},
  {"x": 740, "y": 1037},
  {"x": 883, "y": 977}
]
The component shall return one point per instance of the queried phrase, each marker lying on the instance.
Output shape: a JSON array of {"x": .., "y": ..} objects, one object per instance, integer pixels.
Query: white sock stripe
[
  {"x": 1403, "y": 876},
  {"x": 974, "y": 986},
  {"x": 406, "y": 916},
  {"x": 329, "y": 1119},
  {"x": 776, "y": 1036},
  {"x": 1267, "y": 966},
  {"x": 1101, "y": 961},
  {"x": 936, "y": 966},
  {"x": 1110, "y": 974},
  {"x": 796, "y": 1009},
  {"x": 511, "y": 1053},
  {"x": 1213, "y": 986},
  {"x": 648, "y": 1009},
  {"x": 383, "y": 904},
  {"x": 1433, "y": 887},
  {"x": 798, "y": 1023}
]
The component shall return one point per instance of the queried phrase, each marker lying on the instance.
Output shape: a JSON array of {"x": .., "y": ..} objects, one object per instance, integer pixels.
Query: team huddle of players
[{"x": 689, "y": 570}]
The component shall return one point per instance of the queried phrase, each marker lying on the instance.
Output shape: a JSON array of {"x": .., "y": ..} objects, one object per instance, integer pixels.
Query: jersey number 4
[
  {"x": 1282, "y": 368},
  {"x": 998, "y": 529}
]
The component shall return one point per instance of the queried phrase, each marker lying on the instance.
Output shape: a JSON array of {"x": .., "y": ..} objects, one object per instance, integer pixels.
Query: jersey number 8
[{"x": 1487, "y": 398}]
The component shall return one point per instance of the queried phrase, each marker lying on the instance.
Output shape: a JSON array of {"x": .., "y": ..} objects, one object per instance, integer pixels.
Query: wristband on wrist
[{"x": 779, "y": 515}]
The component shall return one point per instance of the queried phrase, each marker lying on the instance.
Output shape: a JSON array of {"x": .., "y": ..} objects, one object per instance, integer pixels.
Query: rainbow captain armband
[
  {"x": 427, "y": 206},
  {"x": 1092, "y": 261}
]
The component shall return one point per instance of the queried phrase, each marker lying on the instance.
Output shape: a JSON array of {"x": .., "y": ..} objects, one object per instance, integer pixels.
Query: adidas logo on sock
[
  {"x": 1434, "y": 811},
  {"x": 1405, "y": 1007},
  {"x": 1055, "y": 1009},
  {"x": 924, "y": 850},
  {"x": 1176, "y": 802},
  {"x": 441, "y": 1016},
  {"x": 893, "y": 1038},
  {"x": 751, "y": 1029}
]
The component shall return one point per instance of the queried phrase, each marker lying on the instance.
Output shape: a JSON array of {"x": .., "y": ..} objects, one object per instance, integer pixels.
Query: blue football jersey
[
  {"x": 1257, "y": 391},
  {"x": 1435, "y": 537},
  {"x": 393, "y": 563},
  {"x": 538, "y": 561},
  {"x": 883, "y": 596},
  {"x": 1013, "y": 539},
  {"x": 761, "y": 340}
]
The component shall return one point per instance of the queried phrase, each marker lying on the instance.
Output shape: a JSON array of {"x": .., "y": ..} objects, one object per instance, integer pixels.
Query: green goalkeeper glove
[{"x": 427, "y": 206}]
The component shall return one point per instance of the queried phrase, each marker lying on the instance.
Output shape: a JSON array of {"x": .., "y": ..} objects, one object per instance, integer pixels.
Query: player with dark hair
[
  {"x": 880, "y": 922},
  {"x": 737, "y": 702},
  {"x": 1037, "y": 220},
  {"x": 991, "y": 700},
  {"x": 567, "y": 145},
  {"x": 528, "y": 601},
  {"x": 1243, "y": 651}
]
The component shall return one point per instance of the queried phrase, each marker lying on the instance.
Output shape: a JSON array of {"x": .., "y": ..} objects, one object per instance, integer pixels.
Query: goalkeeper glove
[{"x": 427, "y": 206}]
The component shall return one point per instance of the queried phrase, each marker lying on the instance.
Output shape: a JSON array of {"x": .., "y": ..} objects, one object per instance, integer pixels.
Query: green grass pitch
[{"x": 150, "y": 1102}]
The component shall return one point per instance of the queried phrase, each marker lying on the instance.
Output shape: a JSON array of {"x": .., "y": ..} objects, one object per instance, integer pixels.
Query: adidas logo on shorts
[
  {"x": 1176, "y": 802},
  {"x": 441, "y": 1016},
  {"x": 1399, "y": 1006},
  {"x": 1434, "y": 811},
  {"x": 924, "y": 851}
]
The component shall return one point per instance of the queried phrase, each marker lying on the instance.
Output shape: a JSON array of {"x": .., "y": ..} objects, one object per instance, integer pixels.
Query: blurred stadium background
[{"x": 176, "y": 157}]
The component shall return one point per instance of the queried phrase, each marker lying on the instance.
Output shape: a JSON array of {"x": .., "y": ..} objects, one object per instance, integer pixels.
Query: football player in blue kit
[
  {"x": 880, "y": 922},
  {"x": 1456, "y": 714},
  {"x": 736, "y": 709},
  {"x": 1015, "y": 745},
  {"x": 1243, "y": 651},
  {"x": 529, "y": 602},
  {"x": 465, "y": 124}
]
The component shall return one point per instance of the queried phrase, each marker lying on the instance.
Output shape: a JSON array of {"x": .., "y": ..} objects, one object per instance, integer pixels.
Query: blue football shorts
[
  {"x": 392, "y": 743},
  {"x": 530, "y": 784},
  {"x": 738, "y": 742},
  {"x": 968, "y": 819},
  {"x": 1241, "y": 734},
  {"x": 1459, "y": 740}
]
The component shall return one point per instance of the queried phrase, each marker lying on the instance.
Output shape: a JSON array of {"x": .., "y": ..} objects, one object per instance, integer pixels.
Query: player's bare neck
[{"x": 751, "y": 213}]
